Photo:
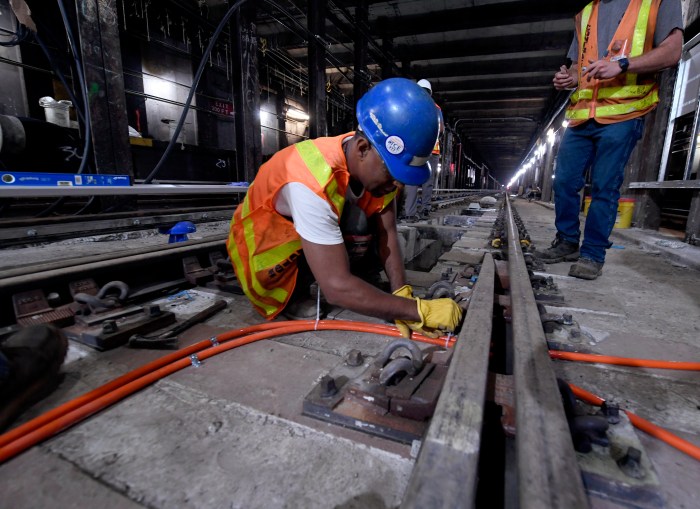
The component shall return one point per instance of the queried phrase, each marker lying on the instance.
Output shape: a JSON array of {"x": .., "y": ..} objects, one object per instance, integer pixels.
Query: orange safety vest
[
  {"x": 436, "y": 148},
  {"x": 263, "y": 245},
  {"x": 627, "y": 95}
]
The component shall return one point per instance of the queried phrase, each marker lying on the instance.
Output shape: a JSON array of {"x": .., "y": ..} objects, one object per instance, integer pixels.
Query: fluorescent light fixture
[{"x": 297, "y": 114}]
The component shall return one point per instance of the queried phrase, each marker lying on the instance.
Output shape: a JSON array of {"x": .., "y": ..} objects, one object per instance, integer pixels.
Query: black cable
[
  {"x": 86, "y": 106},
  {"x": 190, "y": 96},
  {"x": 198, "y": 76},
  {"x": 83, "y": 85},
  {"x": 20, "y": 35},
  {"x": 85, "y": 207},
  {"x": 61, "y": 76}
]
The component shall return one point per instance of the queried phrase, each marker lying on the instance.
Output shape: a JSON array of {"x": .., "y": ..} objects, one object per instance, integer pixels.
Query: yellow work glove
[
  {"x": 405, "y": 291},
  {"x": 437, "y": 315}
]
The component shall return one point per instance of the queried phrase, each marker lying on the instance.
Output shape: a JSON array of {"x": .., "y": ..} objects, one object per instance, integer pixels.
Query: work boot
[
  {"x": 585, "y": 268},
  {"x": 32, "y": 359},
  {"x": 560, "y": 251},
  {"x": 303, "y": 310}
]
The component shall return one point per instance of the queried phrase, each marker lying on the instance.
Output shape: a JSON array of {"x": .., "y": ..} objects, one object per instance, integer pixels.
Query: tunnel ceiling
[{"x": 490, "y": 62}]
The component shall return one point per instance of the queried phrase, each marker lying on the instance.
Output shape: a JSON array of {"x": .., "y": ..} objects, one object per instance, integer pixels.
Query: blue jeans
[
  {"x": 607, "y": 147},
  {"x": 410, "y": 206}
]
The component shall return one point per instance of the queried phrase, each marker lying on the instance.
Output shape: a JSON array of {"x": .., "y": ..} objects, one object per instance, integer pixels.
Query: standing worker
[
  {"x": 411, "y": 192},
  {"x": 618, "y": 47},
  {"x": 287, "y": 231}
]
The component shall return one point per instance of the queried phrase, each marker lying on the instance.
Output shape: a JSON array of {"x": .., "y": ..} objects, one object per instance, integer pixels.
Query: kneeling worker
[{"x": 287, "y": 232}]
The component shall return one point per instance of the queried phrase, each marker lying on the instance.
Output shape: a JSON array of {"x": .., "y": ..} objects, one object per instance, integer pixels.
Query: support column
[
  {"x": 280, "y": 105},
  {"x": 388, "y": 48},
  {"x": 102, "y": 65},
  {"x": 692, "y": 228},
  {"x": 361, "y": 22},
  {"x": 318, "y": 124},
  {"x": 645, "y": 161},
  {"x": 246, "y": 91}
]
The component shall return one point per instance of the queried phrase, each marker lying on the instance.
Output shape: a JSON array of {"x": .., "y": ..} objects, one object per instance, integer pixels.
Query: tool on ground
[{"x": 168, "y": 340}]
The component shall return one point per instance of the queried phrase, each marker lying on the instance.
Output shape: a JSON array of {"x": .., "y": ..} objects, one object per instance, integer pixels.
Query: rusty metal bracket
[
  {"x": 370, "y": 398},
  {"x": 194, "y": 273},
  {"x": 33, "y": 308}
]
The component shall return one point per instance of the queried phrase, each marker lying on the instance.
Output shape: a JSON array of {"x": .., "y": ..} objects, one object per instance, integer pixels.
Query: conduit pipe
[
  {"x": 47, "y": 425},
  {"x": 671, "y": 439},
  {"x": 624, "y": 361}
]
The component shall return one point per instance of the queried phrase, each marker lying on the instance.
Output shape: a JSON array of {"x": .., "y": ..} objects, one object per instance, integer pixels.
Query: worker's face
[{"x": 379, "y": 182}]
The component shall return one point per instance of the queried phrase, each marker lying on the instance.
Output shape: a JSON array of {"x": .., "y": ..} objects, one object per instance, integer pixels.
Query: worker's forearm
[
  {"x": 395, "y": 272},
  {"x": 390, "y": 254},
  {"x": 389, "y": 249},
  {"x": 361, "y": 297}
]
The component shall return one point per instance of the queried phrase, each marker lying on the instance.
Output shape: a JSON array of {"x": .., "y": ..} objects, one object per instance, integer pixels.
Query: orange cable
[
  {"x": 624, "y": 361},
  {"x": 46, "y": 425},
  {"x": 671, "y": 439}
]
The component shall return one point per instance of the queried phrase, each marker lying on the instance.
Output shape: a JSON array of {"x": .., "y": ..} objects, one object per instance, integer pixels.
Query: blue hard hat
[
  {"x": 178, "y": 232},
  {"x": 401, "y": 122}
]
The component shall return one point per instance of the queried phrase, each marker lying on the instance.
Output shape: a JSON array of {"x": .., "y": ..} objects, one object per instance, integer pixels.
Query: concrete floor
[
  {"x": 231, "y": 433},
  {"x": 645, "y": 305}
]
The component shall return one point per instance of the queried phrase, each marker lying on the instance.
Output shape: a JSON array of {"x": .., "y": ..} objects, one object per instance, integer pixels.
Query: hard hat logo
[
  {"x": 401, "y": 122},
  {"x": 394, "y": 145},
  {"x": 377, "y": 123}
]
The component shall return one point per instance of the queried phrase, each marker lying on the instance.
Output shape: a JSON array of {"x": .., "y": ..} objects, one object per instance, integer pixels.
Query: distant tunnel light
[{"x": 297, "y": 114}]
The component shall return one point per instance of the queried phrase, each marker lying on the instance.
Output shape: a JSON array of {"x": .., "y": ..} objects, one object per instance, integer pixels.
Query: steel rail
[
  {"x": 548, "y": 472},
  {"x": 446, "y": 471},
  {"x": 82, "y": 226},
  {"x": 18, "y": 191},
  {"x": 37, "y": 274}
]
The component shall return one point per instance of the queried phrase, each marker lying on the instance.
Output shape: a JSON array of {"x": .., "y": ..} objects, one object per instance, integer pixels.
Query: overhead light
[
  {"x": 297, "y": 114},
  {"x": 565, "y": 124}
]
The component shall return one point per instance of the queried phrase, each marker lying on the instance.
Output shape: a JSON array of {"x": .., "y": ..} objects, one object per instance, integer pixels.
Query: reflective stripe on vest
[
  {"x": 585, "y": 17},
  {"x": 626, "y": 92},
  {"x": 640, "y": 36},
  {"x": 388, "y": 198},
  {"x": 278, "y": 294},
  {"x": 616, "y": 109},
  {"x": 646, "y": 95},
  {"x": 321, "y": 170}
]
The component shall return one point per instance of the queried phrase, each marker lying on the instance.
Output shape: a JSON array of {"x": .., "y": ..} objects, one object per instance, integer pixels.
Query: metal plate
[{"x": 127, "y": 326}]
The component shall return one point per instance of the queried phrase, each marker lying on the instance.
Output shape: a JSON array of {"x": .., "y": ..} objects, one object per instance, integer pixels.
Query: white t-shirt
[{"x": 313, "y": 218}]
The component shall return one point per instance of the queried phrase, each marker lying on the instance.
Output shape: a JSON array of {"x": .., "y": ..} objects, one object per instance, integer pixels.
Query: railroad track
[{"x": 499, "y": 376}]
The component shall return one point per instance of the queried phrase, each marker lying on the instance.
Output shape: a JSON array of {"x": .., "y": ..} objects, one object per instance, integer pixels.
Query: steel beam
[
  {"x": 102, "y": 66},
  {"x": 318, "y": 125},
  {"x": 246, "y": 97},
  {"x": 151, "y": 189},
  {"x": 360, "y": 69}
]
